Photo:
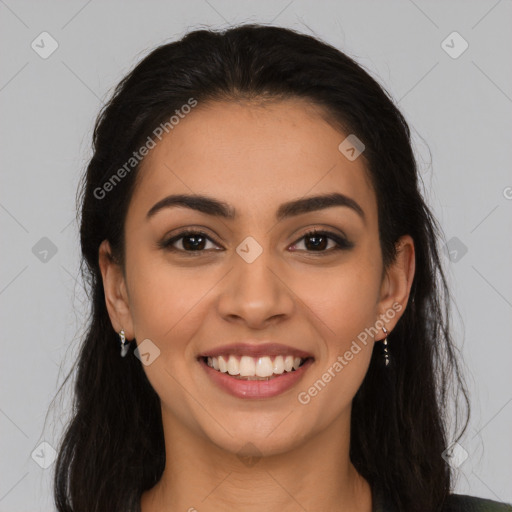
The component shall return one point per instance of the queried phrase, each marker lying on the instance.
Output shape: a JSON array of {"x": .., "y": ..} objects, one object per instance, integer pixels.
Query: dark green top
[{"x": 455, "y": 503}]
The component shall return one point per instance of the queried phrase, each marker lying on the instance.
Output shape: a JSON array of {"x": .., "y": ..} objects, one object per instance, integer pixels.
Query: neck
[{"x": 200, "y": 476}]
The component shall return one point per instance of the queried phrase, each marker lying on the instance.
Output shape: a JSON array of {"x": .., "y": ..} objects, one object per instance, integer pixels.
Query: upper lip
[{"x": 255, "y": 350}]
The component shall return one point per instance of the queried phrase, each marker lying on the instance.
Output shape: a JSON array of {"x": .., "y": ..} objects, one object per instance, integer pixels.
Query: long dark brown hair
[{"x": 113, "y": 447}]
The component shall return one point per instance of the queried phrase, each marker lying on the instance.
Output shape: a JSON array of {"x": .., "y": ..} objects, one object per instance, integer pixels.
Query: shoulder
[{"x": 464, "y": 503}]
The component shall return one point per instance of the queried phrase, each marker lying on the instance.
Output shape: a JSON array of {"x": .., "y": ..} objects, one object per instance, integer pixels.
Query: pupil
[
  {"x": 194, "y": 245},
  {"x": 316, "y": 238}
]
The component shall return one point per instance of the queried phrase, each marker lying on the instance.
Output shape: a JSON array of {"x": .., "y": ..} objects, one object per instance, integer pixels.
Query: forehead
[{"x": 252, "y": 156}]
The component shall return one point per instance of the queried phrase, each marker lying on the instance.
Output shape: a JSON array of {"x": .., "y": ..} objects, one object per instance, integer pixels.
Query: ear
[
  {"x": 116, "y": 295},
  {"x": 397, "y": 281}
]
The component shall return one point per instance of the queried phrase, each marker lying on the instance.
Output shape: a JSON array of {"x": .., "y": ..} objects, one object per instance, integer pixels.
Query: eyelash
[{"x": 341, "y": 242}]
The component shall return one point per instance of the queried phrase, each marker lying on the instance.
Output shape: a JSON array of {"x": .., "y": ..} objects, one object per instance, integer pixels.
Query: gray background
[{"x": 460, "y": 113}]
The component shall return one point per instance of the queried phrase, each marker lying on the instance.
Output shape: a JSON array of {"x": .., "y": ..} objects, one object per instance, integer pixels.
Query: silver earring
[
  {"x": 124, "y": 345},
  {"x": 385, "y": 343}
]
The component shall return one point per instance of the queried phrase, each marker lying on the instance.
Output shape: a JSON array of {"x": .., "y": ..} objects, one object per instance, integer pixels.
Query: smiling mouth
[{"x": 255, "y": 368}]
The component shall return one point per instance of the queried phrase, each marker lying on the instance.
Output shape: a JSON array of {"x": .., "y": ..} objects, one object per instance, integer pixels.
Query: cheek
[
  {"x": 344, "y": 298},
  {"x": 163, "y": 297},
  {"x": 343, "y": 303},
  {"x": 344, "y": 309}
]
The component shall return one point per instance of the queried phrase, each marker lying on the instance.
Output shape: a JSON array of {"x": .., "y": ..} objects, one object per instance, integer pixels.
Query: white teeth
[
  {"x": 288, "y": 363},
  {"x": 248, "y": 366},
  {"x": 264, "y": 367},
  {"x": 279, "y": 365},
  {"x": 223, "y": 367},
  {"x": 233, "y": 366}
]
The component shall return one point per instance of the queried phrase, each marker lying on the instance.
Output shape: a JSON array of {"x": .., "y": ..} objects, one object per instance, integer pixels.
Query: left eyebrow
[{"x": 214, "y": 207}]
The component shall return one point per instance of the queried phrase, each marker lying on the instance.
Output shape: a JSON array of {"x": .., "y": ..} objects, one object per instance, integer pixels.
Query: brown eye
[
  {"x": 318, "y": 241},
  {"x": 315, "y": 242},
  {"x": 191, "y": 241}
]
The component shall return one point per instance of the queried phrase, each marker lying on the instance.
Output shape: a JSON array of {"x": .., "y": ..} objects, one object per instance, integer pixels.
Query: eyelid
[
  {"x": 168, "y": 242},
  {"x": 341, "y": 240}
]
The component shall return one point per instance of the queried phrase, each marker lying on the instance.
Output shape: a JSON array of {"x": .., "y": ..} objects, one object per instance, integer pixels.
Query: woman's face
[{"x": 255, "y": 278}]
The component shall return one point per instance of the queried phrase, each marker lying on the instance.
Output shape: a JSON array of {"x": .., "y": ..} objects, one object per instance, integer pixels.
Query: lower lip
[{"x": 256, "y": 388}]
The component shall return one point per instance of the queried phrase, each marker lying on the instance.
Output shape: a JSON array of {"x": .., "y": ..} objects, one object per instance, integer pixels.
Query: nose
[{"x": 256, "y": 292}]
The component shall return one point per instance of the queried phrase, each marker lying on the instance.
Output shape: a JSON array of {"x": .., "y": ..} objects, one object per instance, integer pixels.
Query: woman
[{"x": 269, "y": 326}]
